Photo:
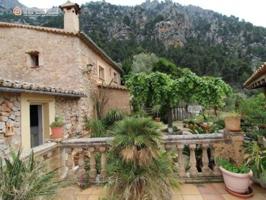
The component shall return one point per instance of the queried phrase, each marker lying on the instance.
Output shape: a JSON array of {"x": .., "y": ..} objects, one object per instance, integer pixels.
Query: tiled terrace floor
[{"x": 210, "y": 191}]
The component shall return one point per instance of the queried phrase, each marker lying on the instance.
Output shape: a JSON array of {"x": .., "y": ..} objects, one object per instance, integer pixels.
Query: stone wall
[
  {"x": 232, "y": 148},
  {"x": 10, "y": 126},
  {"x": 117, "y": 99},
  {"x": 63, "y": 59},
  {"x": 68, "y": 108}
]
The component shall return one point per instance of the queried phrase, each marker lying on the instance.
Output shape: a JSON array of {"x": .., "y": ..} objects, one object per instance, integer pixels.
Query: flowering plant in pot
[
  {"x": 57, "y": 128},
  {"x": 236, "y": 178},
  {"x": 232, "y": 121},
  {"x": 256, "y": 160}
]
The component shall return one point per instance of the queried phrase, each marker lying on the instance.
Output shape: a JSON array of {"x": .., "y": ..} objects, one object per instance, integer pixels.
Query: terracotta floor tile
[
  {"x": 257, "y": 189},
  {"x": 258, "y": 196},
  {"x": 212, "y": 197},
  {"x": 189, "y": 189},
  {"x": 192, "y": 197},
  {"x": 177, "y": 197},
  {"x": 219, "y": 188},
  {"x": 206, "y": 189},
  {"x": 230, "y": 197},
  {"x": 94, "y": 197},
  {"x": 82, "y": 197}
]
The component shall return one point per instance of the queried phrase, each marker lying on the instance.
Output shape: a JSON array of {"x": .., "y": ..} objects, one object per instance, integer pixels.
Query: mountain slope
[
  {"x": 207, "y": 42},
  {"x": 10, "y": 4}
]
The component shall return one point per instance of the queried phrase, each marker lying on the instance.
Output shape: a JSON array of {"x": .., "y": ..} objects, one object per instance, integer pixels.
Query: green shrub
[
  {"x": 256, "y": 158},
  {"x": 253, "y": 109},
  {"x": 97, "y": 128},
  {"x": 242, "y": 169},
  {"x": 138, "y": 168},
  {"x": 112, "y": 116},
  {"x": 26, "y": 180},
  {"x": 58, "y": 122}
]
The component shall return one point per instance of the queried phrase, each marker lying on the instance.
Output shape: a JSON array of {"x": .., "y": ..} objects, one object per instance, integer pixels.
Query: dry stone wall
[
  {"x": 10, "y": 116},
  {"x": 68, "y": 109}
]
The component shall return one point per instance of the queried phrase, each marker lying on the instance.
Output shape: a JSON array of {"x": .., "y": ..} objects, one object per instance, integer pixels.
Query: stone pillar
[
  {"x": 216, "y": 170},
  {"x": 103, "y": 162},
  {"x": 231, "y": 148},
  {"x": 192, "y": 161},
  {"x": 237, "y": 140},
  {"x": 92, "y": 172},
  {"x": 181, "y": 164},
  {"x": 205, "y": 159}
]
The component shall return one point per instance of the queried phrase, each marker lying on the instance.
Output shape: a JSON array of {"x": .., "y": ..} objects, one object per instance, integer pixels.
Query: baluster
[
  {"x": 216, "y": 170},
  {"x": 69, "y": 161},
  {"x": 181, "y": 165},
  {"x": 192, "y": 161},
  {"x": 205, "y": 159},
  {"x": 81, "y": 158},
  {"x": 66, "y": 161},
  {"x": 92, "y": 172},
  {"x": 103, "y": 162}
]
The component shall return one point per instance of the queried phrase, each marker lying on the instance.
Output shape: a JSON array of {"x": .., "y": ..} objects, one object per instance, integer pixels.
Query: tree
[
  {"x": 152, "y": 89},
  {"x": 138, "y": 167},
  {"x": 156, "y": 88},
  {"x": 166, "y": 66},
  {"x": 211, "y": 92},
  {"x": 144, "y": 62}
]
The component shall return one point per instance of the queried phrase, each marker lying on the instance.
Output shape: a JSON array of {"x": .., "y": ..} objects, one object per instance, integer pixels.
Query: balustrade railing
[
  {"x": 76, "y": 151},
  {"x": 195, "y": 155}
]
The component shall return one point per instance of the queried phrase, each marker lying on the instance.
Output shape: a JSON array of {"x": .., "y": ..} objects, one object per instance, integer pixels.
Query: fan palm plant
[
  {"x": 25, "y": 180},
  {"x": 139, "y": 169}
]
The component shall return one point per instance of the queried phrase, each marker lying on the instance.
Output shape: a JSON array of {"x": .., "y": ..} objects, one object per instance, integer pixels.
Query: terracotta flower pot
[
  {"x": 232, "y": 123},
  {"x": 57, "y": 132},
  {"x": 237, "y": 182}
]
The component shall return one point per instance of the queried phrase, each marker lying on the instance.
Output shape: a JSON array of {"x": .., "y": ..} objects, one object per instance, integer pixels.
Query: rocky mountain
[
  {"x": 10, "y": 4},
  {"x": 205, "y": 41}
]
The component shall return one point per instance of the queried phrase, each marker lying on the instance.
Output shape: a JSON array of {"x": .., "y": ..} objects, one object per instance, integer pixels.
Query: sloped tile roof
[
  {"x": 112, "y": 86},
  {"x": 256, "y": 80},
  {"x": 19, "y": 87}
]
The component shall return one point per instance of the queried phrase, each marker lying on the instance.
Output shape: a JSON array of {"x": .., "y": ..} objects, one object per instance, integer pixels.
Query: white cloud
[{"x": 249, "y": 10}]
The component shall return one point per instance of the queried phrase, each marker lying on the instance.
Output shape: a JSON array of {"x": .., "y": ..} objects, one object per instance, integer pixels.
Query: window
[
  {"x": 34, "y": 58},
  {"x": 101, "y": 73},
  {"x": 115, "y": 77}
]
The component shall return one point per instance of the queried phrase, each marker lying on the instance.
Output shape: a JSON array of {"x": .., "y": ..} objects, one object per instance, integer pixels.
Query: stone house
[{"x": 48, "y": 72}]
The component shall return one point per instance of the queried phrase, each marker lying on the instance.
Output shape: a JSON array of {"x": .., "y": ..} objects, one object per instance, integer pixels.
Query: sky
[{"x": 250, "y": 10}]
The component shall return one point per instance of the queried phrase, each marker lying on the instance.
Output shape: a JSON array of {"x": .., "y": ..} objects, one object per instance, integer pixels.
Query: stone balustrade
[
  {"x": 195, "y": 155},
  {"x": 76, "y": 151}
]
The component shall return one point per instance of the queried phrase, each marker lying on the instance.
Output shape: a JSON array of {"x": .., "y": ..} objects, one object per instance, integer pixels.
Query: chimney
[{"x": 71, "y": 16}]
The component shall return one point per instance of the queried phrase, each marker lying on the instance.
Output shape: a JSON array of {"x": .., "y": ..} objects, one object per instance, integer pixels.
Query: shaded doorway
[{"x": 36, "y": 125}]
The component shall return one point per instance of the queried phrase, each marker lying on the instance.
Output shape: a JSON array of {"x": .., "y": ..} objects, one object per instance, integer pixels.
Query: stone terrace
[{"x": 209, "y": 191}]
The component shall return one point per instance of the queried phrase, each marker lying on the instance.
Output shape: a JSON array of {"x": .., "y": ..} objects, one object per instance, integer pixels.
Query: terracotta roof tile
[
  {"x": 112, "y": 86},
  {"x": 19, "y": 86},
  {"x": 250, "y": 83}
]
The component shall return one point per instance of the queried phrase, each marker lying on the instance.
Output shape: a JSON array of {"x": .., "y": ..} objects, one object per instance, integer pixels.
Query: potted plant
[
  {"x": 156, "y": 110},
  {"x": 232, "y": 122},
  {"x": 237, "y": 179},
  {"x": 256, "y": 160},
  {"x": 57, "y": 128}
]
